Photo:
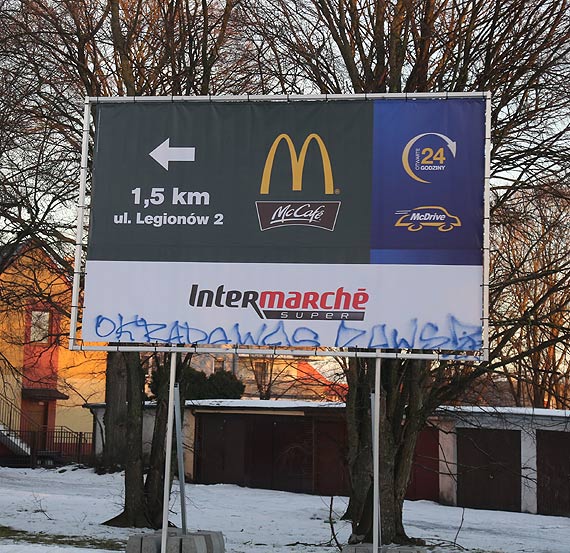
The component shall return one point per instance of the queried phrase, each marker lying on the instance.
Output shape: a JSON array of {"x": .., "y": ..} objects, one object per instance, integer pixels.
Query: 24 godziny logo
[{"x": 427, "y": 154}]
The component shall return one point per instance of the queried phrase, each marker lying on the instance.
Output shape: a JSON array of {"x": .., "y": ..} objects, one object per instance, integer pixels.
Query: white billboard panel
[{"x": 267, "y": 304}]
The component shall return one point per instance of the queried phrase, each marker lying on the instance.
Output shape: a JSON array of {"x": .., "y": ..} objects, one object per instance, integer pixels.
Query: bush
[
  {"x": 196, "y": 385},
  {"x": 225, "y": 385}
]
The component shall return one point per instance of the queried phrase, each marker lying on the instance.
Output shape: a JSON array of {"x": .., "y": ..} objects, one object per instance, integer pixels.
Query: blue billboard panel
[{"x": 427, "y": 182}]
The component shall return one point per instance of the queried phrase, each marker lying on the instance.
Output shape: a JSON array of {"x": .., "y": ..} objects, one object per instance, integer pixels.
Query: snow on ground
[{"x": 63, "y": 510}]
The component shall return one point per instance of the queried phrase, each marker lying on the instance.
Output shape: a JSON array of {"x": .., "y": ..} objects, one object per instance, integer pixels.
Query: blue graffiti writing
[
  {"x": 454, "y": 335},
  {"x": 428, "y": 336}
]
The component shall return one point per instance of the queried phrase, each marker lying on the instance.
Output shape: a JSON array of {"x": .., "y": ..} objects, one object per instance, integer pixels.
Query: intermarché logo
[
  {"x": 332, "y": 305},
  {"x": 321, "y": 214}
]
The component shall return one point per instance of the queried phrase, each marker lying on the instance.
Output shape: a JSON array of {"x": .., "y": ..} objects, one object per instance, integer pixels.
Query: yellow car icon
[{"x": 427, "y": 216}]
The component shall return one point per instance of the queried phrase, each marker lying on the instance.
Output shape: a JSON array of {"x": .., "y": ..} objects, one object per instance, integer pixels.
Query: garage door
[
  {"x": 553, "y": 467},
  {"x": 489, "y": 469}
]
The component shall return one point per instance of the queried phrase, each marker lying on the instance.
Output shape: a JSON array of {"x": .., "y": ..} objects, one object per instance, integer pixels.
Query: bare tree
[
  {"x": 518, "y": 50},
  {"x": 52, "y": 54},
  {"x": 531, "y": 264}
]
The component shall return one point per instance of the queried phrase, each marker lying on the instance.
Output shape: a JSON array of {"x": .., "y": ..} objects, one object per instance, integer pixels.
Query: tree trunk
[
  {"x": 359, "y": 442},
  {"x": 115, "y": 417},
  {"x": 398, "y": 436},
  {"x": 391, "y": 497},
  {"x": 144, "y": 499},
  {"x": 154, "y": 485},
  {"x": 134, "y": 490},
  {"x": 134, "y": 513}
]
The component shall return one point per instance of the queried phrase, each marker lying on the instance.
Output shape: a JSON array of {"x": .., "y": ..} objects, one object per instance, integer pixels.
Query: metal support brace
[
  {"x": 377, "y": 515},
  {"x": 168, "y": 460}
]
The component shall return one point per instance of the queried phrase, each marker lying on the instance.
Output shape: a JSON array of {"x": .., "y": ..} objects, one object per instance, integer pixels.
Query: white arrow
[{"x": 164, "y": 154}]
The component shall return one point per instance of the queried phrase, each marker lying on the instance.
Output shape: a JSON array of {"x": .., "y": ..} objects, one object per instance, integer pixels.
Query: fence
[{"x": 35, "y": 445}]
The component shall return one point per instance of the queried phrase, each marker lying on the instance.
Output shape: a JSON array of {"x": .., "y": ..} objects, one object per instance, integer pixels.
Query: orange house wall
[{"x": 80, "y": 375}]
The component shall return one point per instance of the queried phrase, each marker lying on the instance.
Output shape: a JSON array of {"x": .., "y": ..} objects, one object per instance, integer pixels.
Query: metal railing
[
  {"x": 11, "y": 416},
  {"x": 44, "y": 446}
]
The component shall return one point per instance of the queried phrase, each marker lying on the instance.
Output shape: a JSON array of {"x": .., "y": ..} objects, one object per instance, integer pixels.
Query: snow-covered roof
[
  {"x": 247, "y": 404},
  {"x": 275, "y": 404},
  {"x": 520, "y": 411},
  {"x": 262, "y": 404}
]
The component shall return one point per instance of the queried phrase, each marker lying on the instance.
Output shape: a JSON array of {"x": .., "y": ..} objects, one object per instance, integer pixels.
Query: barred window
[{"x": 39, "y": 326}]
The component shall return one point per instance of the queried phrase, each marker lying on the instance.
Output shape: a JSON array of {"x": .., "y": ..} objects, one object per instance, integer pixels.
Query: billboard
[{"x": 345, "y": 223}]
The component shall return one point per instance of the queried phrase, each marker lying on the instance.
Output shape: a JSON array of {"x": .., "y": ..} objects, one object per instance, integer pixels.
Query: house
[
  {"x": 43, "y": 384},
  {"x": 277, "y": 376}
]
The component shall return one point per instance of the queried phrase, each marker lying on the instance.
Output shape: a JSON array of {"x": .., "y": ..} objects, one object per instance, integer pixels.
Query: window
[
  {"x": 39, "y": 326},
  {"x": 260, "y": 369}
]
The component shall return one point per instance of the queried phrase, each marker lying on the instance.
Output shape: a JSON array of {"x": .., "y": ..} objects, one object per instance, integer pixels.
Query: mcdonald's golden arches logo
[
  {"x": 321, "y": 214},
  {"x": 297, "y": 163}
]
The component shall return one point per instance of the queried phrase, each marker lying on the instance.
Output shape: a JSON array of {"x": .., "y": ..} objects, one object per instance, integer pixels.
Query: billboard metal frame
[
  {"x": 77, "y": 344},
  {"x": 79, "y": 272}
]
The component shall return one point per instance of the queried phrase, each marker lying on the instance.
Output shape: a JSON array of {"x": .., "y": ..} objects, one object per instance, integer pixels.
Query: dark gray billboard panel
[{"x": 222, "y": 170}]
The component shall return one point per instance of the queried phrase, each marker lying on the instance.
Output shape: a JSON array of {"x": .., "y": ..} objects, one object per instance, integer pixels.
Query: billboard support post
[
  {"x": 168, "y": 457},
  {"x": 377, "y": 514},
  {"x": 178, "y": 412}
]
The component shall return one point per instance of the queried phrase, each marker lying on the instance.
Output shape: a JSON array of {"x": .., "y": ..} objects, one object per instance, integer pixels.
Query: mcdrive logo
[
  {"x": 427, "y": 216},
  {"x": 334, "y": 305},
  {"x": 320, "y": 214}
]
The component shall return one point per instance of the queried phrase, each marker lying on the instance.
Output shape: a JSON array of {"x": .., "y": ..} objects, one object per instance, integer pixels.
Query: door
[
  {"x": 424, "y": 478},
  {"x": 489, "y": 469},
  {"x": 330, "y": 449},
  {"x": 553, "y": 468},
  {"x": 37, "y": 412},
  {"x": 220, "y": 458}
]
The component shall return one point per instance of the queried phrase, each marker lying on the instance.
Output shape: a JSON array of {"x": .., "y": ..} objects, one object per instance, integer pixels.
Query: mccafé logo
[{"x": 321, "y": 214}]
